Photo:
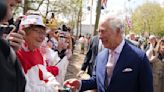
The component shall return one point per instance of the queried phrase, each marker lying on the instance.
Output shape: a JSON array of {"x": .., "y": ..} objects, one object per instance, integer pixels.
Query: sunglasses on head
[{"x": 56, "y": 32}]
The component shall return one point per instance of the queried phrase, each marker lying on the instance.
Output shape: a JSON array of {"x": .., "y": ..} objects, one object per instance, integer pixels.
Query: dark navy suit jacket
[{"x": 139, "y": 79}]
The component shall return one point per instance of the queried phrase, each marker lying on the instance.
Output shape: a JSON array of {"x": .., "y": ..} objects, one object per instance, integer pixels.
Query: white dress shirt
[{"x": 116, "y": 54}]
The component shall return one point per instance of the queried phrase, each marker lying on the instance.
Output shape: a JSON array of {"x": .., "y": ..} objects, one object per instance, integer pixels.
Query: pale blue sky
[
  {"x": 123, "y": 3},
  {"x": 128, "y": 3}
]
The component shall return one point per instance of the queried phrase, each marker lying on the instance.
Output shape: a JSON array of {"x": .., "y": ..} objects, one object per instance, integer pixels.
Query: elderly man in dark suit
[{"x": 119, "y": 68}]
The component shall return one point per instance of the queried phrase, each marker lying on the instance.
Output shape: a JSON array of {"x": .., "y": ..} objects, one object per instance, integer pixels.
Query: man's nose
[{"x": 100, "y": 36}]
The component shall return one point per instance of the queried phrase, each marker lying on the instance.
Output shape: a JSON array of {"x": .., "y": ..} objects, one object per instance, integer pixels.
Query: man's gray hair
[{"x": 115, "y": 21}]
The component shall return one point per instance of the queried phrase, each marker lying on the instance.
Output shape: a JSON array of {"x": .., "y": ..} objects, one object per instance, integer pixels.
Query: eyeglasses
[{"x": 40, "y": 32}]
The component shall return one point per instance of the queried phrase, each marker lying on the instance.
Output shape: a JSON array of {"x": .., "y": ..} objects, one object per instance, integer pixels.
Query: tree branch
[{"x": 40, "y": 4}]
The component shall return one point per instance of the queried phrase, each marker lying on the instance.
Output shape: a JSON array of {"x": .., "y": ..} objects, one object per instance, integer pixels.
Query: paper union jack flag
[
  {"x": 129, "y": 22},
  {"x": 103, "y": 3}
]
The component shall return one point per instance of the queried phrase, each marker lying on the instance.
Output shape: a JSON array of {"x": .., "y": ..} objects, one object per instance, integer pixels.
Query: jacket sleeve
[
  {"x": 87, "y": 57},
  {"x": 90, "y": 83}
]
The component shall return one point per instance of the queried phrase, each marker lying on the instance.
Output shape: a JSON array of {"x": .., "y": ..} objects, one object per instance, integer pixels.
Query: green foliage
[
  {"x": 68, "y": 9},
  {"x": 150, "y": 18}
]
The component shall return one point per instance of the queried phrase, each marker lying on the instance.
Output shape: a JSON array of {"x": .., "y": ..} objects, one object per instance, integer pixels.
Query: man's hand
[
  {"x": 73, "y": 84},
  {"x": 16, "y": 39}
]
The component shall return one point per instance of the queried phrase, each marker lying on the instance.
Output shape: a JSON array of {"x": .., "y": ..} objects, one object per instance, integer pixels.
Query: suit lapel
[
  {"x": 121, "y": 60},
  {"x": 104, "y": 61}
]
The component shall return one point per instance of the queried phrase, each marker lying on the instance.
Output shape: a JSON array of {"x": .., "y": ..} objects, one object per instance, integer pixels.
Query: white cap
[
  {"x": 152, "y": 36},
  {"x": 32, "y": 20}
]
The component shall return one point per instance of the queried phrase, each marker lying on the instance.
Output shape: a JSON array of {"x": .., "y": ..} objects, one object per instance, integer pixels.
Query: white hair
[
  {"x": 152, "y": 36},
  {"x": 114, "y": 21}
]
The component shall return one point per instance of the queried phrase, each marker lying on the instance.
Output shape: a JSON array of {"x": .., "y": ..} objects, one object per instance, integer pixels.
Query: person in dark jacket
[
  {"x": 11, "y": 75},
  {"x": 94, "y": 48}
]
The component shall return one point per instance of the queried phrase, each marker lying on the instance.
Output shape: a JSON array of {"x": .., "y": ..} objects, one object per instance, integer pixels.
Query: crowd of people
[
  {"x": 34, "y": 56},
  {"x": 154, "y": 48}
]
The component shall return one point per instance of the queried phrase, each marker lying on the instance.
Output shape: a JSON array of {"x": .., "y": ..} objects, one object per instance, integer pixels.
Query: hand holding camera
[{"x": 16, "y": 38}]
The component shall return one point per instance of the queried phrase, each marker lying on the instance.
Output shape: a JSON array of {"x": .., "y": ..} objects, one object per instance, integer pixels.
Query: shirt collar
[{"x": 119, "y": 47}]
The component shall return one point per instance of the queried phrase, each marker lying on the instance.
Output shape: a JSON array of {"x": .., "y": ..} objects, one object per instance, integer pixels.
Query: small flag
[{"x": 129, "y": 22}]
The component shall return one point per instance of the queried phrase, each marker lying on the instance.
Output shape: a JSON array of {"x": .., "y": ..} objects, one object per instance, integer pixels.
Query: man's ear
[{"x": 118, "y": 30}]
